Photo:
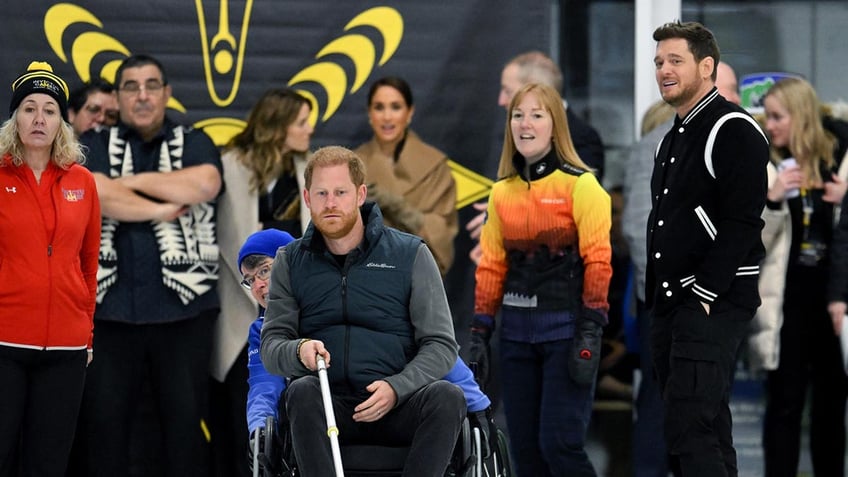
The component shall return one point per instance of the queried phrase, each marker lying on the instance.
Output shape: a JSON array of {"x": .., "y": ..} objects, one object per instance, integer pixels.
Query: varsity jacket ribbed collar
[{"x": 700, "y": 106}]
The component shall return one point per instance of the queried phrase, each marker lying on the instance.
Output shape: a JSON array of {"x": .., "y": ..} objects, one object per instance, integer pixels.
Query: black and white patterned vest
[{"x": 188, "y": 248}]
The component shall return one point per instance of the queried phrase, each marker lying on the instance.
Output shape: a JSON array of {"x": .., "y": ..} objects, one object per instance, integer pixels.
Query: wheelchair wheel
[
  {"x": 496, "y": 465},
  {"x": 500, "y": 464},
  {"x": 462, "y": 460}
]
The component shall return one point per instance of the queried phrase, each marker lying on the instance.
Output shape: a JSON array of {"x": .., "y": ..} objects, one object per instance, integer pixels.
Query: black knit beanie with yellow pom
[{"x": 39, "y": 78}]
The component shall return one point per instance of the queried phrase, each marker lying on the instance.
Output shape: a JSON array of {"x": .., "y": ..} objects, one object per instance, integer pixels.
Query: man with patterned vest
[{"x": 156, "y": 296}]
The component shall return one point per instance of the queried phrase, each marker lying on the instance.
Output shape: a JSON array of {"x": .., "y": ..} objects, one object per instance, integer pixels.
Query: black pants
[
  {"x": 228, "y": 421},
  {"x": 695, "y": 357},
  {"x": 176, "y": 356},
  {"x": 40, "y": 393},
  {"x": 429, "y": 421},
  {"x": 810, "y": 360}
]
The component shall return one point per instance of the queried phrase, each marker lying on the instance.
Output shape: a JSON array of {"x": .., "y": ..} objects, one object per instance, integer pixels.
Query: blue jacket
[{"x": 265, "y": 388}]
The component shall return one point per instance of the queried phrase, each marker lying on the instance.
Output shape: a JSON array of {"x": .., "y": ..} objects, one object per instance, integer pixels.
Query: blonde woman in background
[{"x": 794, "y": 337}]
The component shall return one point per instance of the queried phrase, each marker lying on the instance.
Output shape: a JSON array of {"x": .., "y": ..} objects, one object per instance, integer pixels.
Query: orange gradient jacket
[{"x": 559, "y": 208}]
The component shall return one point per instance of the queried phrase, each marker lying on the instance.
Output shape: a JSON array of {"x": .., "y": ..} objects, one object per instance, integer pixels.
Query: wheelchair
[{"x": 381, "y": 461}]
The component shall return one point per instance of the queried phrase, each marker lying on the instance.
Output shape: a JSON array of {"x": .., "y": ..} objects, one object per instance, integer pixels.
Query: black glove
[
  {"x": 483, "y": 420},
  {"x": 586, "y": 348},
  {"x": 479, "y": 352},
  {"x": 266, "y": 463}
]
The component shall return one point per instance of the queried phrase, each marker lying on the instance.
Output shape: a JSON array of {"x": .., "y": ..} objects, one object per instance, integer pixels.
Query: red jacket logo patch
[{"x": 73, "y": 195}]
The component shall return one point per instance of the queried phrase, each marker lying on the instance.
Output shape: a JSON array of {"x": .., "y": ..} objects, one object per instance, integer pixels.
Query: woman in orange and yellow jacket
[{"x": 546, "y": 267}]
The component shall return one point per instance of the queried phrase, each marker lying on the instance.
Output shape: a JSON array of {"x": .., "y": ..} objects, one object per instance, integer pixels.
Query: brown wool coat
[{"x": 422, "y": 178}]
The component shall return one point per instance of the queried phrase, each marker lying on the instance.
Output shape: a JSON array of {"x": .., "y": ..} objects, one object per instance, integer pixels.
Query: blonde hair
[
  {"x": 65, "y": 152},
  {"x": 809, "y": 143},
  {"x": 551, "y": 102},
  {"x": 656, "y": 115}
]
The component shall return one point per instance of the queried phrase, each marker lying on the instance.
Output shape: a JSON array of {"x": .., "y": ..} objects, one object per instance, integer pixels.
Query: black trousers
[
  {"x": 810, "y": 362},
  {"x": 429, "y": 421},
  {"x": 40, "y": 393},
  {"x": 695, "y": 357},
  {"x": 176, "y": 358},
  {"x": 228, "y": 421}
]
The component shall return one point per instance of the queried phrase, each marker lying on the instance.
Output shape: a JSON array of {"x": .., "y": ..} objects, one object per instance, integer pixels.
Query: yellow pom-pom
[{"x": 40, "y": 66}]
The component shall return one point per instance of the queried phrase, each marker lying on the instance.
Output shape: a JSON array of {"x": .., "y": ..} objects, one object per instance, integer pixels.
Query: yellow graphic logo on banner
[
  {"x": 470, "y": 186},
  {"x": 218, "y": 55},
  {"x": 360, "y": 50},
  {"x": 223, "y": 62},
  {"x": 87, "y": 45}
]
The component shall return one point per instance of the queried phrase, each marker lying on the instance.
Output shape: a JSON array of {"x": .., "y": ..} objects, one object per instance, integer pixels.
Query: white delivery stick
[{"x": 332, "y": 430}]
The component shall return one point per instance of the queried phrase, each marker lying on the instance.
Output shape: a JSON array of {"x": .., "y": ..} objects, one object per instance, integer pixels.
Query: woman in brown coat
[{"x": 409, "y": 179}]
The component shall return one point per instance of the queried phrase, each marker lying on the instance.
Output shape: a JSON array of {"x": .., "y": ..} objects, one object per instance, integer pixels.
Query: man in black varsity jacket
[{"x": 708, "y": 190}]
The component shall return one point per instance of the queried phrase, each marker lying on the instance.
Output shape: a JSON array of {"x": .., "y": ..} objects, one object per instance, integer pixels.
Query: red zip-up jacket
[{"x": 49, "y": 242}]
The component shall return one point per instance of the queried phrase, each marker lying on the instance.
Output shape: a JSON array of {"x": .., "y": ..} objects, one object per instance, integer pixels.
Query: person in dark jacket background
[
  {"x": 158, "y": 182},
  {"x": 704, "y": 247},
  {"x": 373, "y": 297}
]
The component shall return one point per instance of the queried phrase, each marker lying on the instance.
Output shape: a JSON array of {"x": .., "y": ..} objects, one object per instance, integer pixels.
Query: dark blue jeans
[
  {"x": 429, "y": 422},
  {"x": 546, "y": 411},
  {"x": 650, "y": 458}
]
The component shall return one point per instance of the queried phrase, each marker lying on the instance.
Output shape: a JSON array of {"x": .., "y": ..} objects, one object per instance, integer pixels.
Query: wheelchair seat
[{"x": 361, "y": 460}]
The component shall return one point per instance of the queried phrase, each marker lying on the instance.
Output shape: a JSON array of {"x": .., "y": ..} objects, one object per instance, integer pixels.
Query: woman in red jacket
[{"x": 49, "y": 242}]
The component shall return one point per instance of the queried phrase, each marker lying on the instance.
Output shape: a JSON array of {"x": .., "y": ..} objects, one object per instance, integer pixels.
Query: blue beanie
[{"x": 264, "y": 242}]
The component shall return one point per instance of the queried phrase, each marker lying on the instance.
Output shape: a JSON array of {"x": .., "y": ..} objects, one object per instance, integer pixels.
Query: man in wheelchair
[
  {"x": 374, "y": 297},
  {"x": 265, "y": 389}
]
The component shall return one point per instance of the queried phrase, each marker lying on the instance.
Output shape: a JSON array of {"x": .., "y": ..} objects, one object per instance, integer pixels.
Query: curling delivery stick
[{"x": 332, "y": 430}]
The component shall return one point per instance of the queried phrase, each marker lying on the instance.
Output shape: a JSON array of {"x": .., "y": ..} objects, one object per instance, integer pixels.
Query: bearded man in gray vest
[{"x": 370, "y": 300}]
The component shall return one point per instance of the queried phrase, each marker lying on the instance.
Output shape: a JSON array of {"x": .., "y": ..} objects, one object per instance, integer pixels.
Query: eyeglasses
[
  {"x": 134, "y": 87},
  {"x": 109, "y": 114},
  {"x": 263, "y": 274}
]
